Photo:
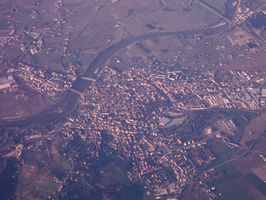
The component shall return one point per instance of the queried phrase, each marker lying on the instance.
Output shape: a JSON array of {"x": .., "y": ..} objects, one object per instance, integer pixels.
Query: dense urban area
[{"x": 137, "y": 100}]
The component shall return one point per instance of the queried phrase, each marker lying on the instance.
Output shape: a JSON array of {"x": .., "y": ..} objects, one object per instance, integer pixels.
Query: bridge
[{"x": 88, "y": 78}]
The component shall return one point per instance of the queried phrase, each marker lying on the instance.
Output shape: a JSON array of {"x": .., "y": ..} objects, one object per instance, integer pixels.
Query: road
[
  {"x": 67, "y": 105},
  {"x": 230, "y": 21},
  {"x": 242, "y": 152}
]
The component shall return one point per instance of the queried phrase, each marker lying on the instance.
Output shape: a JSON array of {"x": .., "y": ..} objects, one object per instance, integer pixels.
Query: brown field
[
  {"x": 246, "y": 164},
  {"x": 254, "y": 129},
  {"x": 234, "y": 183},
  {"x": 238, "y": 189},
  {"x": 219, "y": 5},
  {"x": 35, "y": 184},
  {"x": 250, "y": 62},
  {"x": 260, "y": 146},
  {"x": 194, "y": 194},
  {"x": 88, "y": 27},
  {"x": 16, "y": 106}
]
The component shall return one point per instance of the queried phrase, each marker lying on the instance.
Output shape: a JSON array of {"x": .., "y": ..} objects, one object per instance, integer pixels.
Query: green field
[
  {"x": 222, "y": 152},
  {"x": 3, "y": 23},
  {"x": 257, "y": 183},
  {"x": 232, "y": 190},
  {"x": 229, "y": 174}
]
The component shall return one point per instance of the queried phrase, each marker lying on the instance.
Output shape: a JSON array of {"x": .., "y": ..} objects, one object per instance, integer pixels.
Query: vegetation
[{"x": 257, "y": 183}]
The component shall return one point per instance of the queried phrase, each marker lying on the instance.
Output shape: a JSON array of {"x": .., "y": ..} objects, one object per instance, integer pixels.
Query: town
[{"x": 114, "y": 99}]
